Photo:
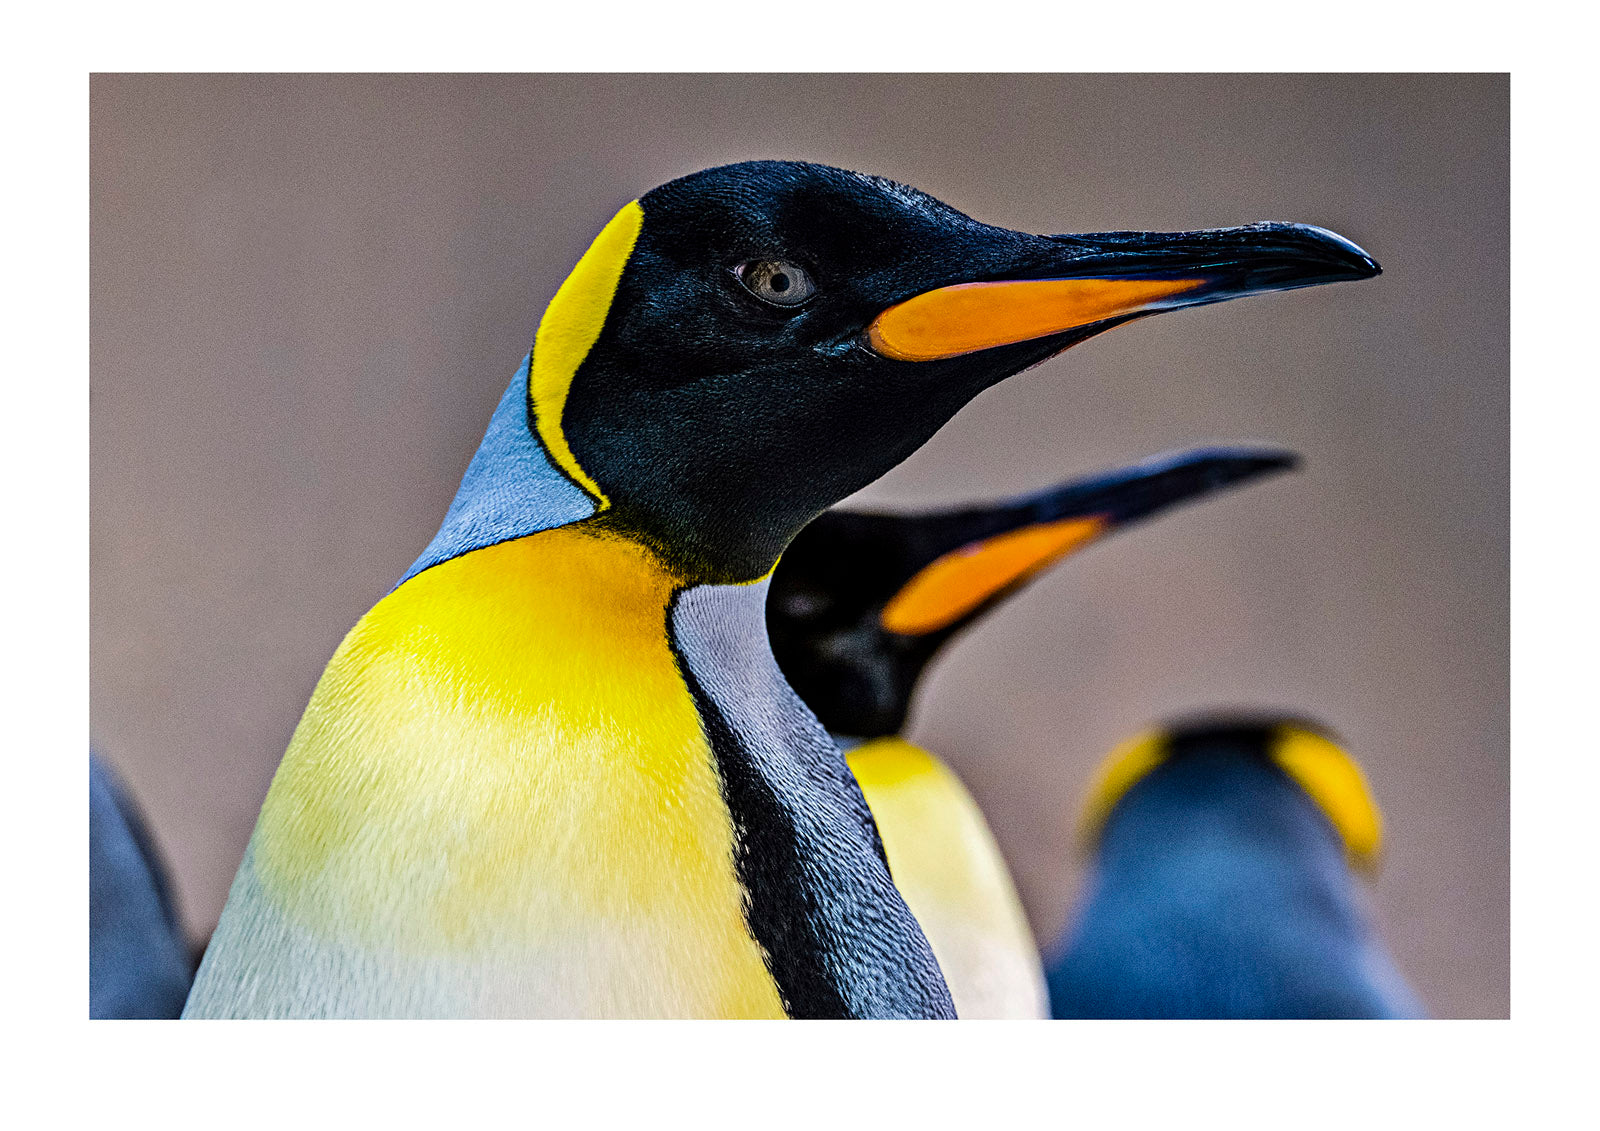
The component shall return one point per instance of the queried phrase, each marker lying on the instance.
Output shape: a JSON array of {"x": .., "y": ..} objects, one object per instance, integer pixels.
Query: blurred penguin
[
  {"x": 1228, "y": 855},
  {"x": 139, "y": 964}
]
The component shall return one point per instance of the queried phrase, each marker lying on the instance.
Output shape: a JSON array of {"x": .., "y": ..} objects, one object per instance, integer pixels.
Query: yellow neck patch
[
  {"x": 1329, "y": 776},
  {"x": 567, "y": 332}
]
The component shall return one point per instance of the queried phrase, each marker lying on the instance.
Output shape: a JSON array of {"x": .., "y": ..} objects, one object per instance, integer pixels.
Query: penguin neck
[
  {"x": 806, "y": 849},
  {"x": 510, "y": 490}
]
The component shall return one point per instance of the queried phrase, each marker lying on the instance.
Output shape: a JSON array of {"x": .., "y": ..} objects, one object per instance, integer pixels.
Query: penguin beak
[
  {"x": 970, "y": 558},
  {"x": 1086, "y": 282}
]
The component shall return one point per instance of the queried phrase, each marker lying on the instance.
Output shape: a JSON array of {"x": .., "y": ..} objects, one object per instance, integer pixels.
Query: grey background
[{"x": 308, "y": 293}]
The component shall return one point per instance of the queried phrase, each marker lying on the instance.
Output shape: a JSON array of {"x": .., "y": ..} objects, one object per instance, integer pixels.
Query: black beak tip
[
  {"x": 1232, "y": 464},
  {"x": 1136, "y": 493},
  {"x": 1343, "y": 257},
  {"x": 1273, "y": 459}
]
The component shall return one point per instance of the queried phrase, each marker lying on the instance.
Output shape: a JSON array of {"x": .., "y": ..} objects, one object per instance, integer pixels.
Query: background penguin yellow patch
[
  {"x": 1335, "y": 782},
  {"x": 1317, "y": 764}
]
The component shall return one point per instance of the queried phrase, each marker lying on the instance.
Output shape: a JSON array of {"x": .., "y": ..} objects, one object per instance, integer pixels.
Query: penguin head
[
  {"x": 745, "y": 346},
  {"x": 1305, "y": 752},
  {"x": 861, "y": 602}
]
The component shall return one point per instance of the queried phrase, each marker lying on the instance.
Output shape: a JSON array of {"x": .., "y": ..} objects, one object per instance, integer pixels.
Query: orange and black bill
[
  {"x": 861, "y": 602},
  {"x": 1070, "y": 287}
]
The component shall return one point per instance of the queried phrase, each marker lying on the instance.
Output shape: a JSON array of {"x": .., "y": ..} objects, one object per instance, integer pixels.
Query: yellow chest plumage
[{"x": 501, "y": 785}]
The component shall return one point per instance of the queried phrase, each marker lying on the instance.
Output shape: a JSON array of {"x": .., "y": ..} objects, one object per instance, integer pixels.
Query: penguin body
[
  {"x": 1223, "y": 886},
  {"x": 591, "y": 860},
  {"x": 863, "y": 602},
  {"x": 556, "y": 772},
  {"x": 139, "y": 962}
]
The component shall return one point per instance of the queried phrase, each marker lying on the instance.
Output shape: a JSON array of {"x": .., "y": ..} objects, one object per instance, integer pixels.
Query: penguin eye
[{"x": 777, "y": 281}]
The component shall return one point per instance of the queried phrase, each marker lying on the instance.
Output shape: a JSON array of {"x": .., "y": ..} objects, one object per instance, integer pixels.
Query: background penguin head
[
  {"x": 861, "y": 602},
  {"x": 745, "y": 346},
  {"x": 1198, "y": 762}
]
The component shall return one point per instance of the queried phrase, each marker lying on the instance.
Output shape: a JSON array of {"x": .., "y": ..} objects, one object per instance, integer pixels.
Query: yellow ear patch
[
  {"x": 1332, "y": 779},
  {"x": 951, "y": 586},
  {"x": 568, "y": 331},
  {"x": 1120, "y": 771}
]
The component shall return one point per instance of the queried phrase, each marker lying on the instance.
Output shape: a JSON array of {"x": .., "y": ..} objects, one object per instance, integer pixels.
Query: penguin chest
[{"x": 501, "y": 801}]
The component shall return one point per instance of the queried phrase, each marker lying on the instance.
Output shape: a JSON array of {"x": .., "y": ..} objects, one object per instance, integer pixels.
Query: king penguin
[
  {"x": 862, "y": 602},
  {"x": 555, "y": 772},
  {"x": 1228, "y": 855}
]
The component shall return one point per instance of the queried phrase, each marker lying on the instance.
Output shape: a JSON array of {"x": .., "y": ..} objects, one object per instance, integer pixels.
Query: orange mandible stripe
[
  {"x": 953, "y": 585},
  {"x": 970, "y": 317}
]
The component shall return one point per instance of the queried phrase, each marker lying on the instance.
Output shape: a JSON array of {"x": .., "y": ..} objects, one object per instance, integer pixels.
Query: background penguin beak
[
  {"x": 862, "y": 601},
  {"x": 1091, "y": 279},
  {"x": 968, "y": 558}
]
